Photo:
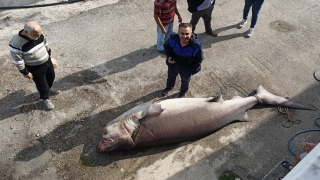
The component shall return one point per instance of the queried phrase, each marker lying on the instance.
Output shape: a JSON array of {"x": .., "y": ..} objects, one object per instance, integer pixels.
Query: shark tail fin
[{"x": 269, "y": 98}]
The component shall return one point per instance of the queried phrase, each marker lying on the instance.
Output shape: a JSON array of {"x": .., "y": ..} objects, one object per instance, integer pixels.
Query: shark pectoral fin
[
  {"x": 216, "y": 99},
  {"x": 245, "y": 117},
  {"x": 154, "y": 111}
]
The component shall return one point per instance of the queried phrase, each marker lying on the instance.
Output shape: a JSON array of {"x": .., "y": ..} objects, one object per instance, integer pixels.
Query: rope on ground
[
  {"x": 289, "y": 121},
  {"x": 313, "y": 130}
]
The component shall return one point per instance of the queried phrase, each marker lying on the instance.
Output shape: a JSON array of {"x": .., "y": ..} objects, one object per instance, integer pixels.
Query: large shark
[{"x": 183, "y": 119}]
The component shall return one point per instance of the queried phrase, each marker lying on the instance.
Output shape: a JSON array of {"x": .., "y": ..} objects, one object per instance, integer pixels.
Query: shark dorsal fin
[
  {"x": 216, "y": 99},
  {"x": 154, "y": 111}
]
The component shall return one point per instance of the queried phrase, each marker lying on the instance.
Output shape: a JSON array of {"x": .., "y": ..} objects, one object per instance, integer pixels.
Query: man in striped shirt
[
  {"x": 31, "y": 55},
  {"x": 164, "y": 12}
]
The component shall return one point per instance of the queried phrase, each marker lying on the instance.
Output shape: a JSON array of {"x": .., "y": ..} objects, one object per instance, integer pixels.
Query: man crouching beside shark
[{"x": 177, "y": 120}]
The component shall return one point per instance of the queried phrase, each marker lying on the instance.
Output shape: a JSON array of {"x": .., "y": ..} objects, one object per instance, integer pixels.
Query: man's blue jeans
[
  {"x": 162, "y": 38},
  {"x": 256, "y": 6},
  {"x": 185, "y": 75}
]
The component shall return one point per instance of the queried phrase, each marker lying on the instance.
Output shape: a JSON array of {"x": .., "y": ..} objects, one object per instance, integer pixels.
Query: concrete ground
[{"x": 108, "y": 63}]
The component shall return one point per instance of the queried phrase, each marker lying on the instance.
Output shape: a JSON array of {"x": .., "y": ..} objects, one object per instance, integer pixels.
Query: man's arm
[
  {"x": 16, "y": 55},
  {"x": 157, "y": 13},
  {"x": 46, "y": 45},
  {"x": 198, "y": 60},
  {"x": 178, "y": 14},
  {"x": 168, "y": 49},
  {"x": 158, "y": 21}
]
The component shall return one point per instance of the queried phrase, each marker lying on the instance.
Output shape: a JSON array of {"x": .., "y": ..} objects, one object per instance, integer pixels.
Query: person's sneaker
[
  {"x": 181, "y": 95},
  {"x": 48, "y": 104},
  {"x": 54, "y": 92},
  {"x": 165, "y": 91},
  {"x": 242, "y": 23},
  {"x": 250, "y": 32}
]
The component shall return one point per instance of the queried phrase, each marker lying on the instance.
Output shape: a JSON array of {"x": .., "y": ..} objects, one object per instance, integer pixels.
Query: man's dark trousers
[
  {"x": 185, "y": 75},
  {"x": 206, "y": 14},
  {"x": 43, "y": 77}
]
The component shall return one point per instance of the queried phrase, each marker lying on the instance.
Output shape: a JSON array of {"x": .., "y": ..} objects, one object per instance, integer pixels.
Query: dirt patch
[{"x": 282, "y": 26}]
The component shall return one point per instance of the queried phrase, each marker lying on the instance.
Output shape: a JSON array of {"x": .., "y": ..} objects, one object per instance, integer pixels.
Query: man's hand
[
  {"x": 171, "y": 61},
  {"x": 29, "y": 76},
  {"x": 307, "y": 147},
  {"x": 164, "y": 31},
  {"x": 179, "y": 19}
]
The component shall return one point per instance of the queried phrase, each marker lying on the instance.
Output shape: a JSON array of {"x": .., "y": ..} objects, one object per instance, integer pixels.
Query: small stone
[
  {"x": 7, "y": 18},
  {"x": 38, "y": 135}
]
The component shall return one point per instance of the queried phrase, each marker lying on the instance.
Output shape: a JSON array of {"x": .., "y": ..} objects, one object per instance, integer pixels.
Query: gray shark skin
[{"x": 178, "y": 120}]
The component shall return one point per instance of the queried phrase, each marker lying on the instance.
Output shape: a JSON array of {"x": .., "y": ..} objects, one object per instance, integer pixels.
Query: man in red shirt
[{"x": 164, "y": 12}]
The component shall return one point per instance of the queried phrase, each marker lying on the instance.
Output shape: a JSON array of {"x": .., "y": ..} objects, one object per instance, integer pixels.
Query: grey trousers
[{"x": 205, "y": 15}]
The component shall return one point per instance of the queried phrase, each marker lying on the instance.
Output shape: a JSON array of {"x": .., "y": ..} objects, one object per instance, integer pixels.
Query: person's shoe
[
  {"x": 162, "y": 52},
  {"x": 242, "y": 23},
  {"x": 54, "y": 92},
  {"x": 48, "y": 104},
  {"x": 250, "y": 32},
  {"x": 287, "y": 165},
  {"x": 165, "y": 91},
  {"x": 181, "y": 95},
  {"x": 212, "y": 33}
]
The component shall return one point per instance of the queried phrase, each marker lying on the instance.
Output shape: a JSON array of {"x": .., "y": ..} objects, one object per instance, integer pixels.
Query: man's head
[
  {"x": 185, "y": 32},
  {"x": 32, "y": 30}
]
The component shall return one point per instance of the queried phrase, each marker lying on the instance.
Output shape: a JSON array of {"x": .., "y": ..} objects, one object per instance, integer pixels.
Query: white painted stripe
[
  {"x": 34, "y": 48},
  {"x": 265, "y": 176},
  {"x": 14, "y": 50}
]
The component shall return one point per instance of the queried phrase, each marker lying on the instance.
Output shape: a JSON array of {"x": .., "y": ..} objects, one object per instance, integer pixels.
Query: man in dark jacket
[
  {"x": 184, "y": 57},
  {"x": 201, "y": 9}
]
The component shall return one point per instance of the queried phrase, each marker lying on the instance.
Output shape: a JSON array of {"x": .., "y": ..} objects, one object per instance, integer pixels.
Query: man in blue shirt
[{"x": 184, "y": 57}]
